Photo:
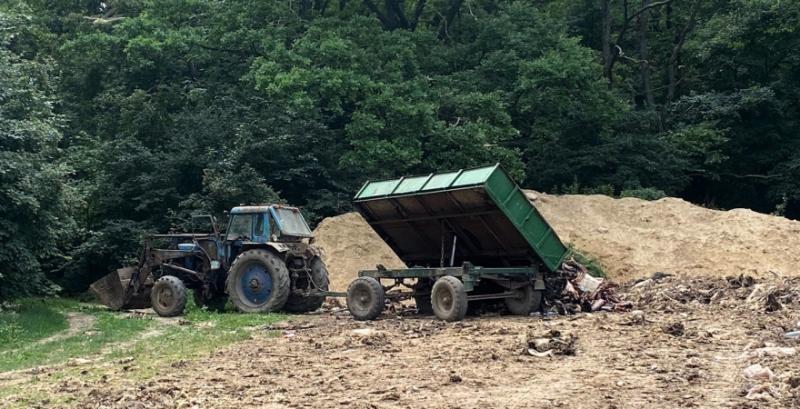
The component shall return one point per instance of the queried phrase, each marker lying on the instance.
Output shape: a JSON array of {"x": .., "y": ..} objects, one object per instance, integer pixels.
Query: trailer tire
[
  {"x": 258, "y": 281},
  {"x": 526, "y": 300},
  {"x": 306, "y": 303},
  {"x": 365, "y": 298},
  {"x": 449, "y": 299},
  {"x": 168, "y": 296}
]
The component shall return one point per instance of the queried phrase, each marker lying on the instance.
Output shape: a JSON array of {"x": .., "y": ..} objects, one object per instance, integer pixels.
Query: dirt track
[{"x": 418, "y": 362}]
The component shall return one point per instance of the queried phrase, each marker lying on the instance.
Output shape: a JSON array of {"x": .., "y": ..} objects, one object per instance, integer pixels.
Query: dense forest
[{"x": 120, "y": 117}]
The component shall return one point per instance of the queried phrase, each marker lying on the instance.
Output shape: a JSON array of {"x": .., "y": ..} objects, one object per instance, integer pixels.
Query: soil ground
[{"x": 687, "y": 347}]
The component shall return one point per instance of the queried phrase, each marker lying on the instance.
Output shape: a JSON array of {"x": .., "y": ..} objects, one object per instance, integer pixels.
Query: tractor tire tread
[
  {"x": 376, "y": 303},
  {"x": 455, "y": 288},
  {"x": 280, "y": 281},
  {"x": 179, "y": 293}
]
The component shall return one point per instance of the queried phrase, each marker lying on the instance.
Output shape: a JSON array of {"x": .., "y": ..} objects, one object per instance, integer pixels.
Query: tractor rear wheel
[
  {"x": 258, "y": 281},
  {"x": 449, "y": 299},
  {"x": 525, "y": 300},
  {"x": 168, "y": 296},
  {"x": 365, "y": 298},
  {"x": 306, "y": 303}
]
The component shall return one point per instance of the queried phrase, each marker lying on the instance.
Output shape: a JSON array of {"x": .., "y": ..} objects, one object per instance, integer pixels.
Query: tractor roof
[{"x": 259, "y": 208}]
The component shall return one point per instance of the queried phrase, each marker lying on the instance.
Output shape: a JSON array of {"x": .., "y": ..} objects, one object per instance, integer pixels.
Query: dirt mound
[
  {"x": 634, "y": 238},
  {"x": 348, "y": 245},
  {"x": 631, "y": 238}
]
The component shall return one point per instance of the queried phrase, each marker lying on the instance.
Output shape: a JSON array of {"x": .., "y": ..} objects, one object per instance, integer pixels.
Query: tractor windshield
[{"x": 292, "y": 222}]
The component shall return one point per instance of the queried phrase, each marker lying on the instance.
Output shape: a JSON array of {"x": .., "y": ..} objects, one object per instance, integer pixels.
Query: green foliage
[
  {"x": 645, "y": 193},
  {"x": 33, "y": 196},
  {"x": 124, "y": 117},
  {"x": 592, "y": 265}
]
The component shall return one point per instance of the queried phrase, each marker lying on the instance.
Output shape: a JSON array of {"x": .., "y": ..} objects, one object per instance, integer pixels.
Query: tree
[{"x": 33, "y": 207}]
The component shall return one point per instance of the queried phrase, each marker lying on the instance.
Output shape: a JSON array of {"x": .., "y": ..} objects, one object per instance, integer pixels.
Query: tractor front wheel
[
  {"x": 258, "y": 281},
  {"x": 168, "y": 296}
]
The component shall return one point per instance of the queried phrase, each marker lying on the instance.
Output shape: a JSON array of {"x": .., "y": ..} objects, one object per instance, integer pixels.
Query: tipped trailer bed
[{"x": 468, "y": 235}]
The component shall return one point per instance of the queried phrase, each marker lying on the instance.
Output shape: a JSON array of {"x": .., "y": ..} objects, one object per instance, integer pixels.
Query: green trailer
[{"x": 466, "y": 235}]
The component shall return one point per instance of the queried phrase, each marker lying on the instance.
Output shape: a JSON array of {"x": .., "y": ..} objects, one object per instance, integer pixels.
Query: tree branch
[
  {"x": 626, "y": 23},
  {"x": 373, "y": 8},
  {"x": 418, "y": 12}
]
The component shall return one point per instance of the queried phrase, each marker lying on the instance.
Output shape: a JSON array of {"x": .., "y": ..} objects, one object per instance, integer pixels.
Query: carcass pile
[{"x": 572, "y": 290}]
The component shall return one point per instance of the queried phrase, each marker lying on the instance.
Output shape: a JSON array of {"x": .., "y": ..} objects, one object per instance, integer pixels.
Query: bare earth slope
[
  {"x": 348, "y": 245},
  {"x": 634, "y": 238},
  {"x": 631, "y": 238}
]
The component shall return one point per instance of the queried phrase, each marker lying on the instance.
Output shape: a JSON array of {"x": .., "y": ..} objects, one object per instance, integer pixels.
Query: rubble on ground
[
  {"x": 550, "y": 343},
  {"x": 572, "y": 290}
]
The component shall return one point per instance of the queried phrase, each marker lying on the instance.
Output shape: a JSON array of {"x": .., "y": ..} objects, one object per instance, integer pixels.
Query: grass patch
[
  {"x": 108, "y": 328},
  {"x": 202, "y": 333},
  {"x": 116, "y": 334},
  {"x": 591, "y": 263},
  {"x": 27, "y": 321},
  {"x": 144, "y": 344}
]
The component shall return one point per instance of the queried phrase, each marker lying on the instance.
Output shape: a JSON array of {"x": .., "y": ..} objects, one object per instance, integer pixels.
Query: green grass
[
  {"x": 143, "y": 346},
  {"x": 29, "y": 320},
  {"x": 115, "y": 335},
  {"x": 108, "y": 327}
]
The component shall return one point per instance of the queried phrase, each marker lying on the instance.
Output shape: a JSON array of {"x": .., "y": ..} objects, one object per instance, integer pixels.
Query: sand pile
[
  {"x": 634, "y": 238},
  {"x": 348, "y": 245},
  {"x": 630, "y": 237}
]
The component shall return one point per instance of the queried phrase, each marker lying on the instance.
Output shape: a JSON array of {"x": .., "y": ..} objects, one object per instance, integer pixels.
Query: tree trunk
[
  {"x": 605, "y": 6},
  {"x": 674, "y": 58},
  {"x": 644, "y": 63}
]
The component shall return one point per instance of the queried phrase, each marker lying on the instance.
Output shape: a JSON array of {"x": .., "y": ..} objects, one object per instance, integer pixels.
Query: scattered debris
[
  {"x": 364, "y": 332},
  {"x": 572, "y": 290},
  {"x": 758, "y": 373},
  {"x": 552, "y": 342},
  {"x": 742, "y": 281},
  {"x": 636, "y": 317},
  {"x": 792, "y": 335},
  {"x": 79, "y": 361},
  {"x": 769, "y": 351},
  {"x": 675, "y": 329},
  {"x": 454, "y": 378},
  {"x": 761, "y": 392}
]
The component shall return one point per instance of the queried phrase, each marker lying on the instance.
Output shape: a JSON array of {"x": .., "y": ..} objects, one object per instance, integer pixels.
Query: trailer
[{"x": 468, "y": 236}]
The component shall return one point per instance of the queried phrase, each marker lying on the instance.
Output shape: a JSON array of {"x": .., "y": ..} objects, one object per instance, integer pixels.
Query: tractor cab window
[
  {"x": 241, "y": 227},
  {"x": 292, "y": 222}
]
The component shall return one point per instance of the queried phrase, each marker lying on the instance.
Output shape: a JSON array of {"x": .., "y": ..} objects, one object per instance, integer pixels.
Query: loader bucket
[{"x": 114, "y": 290}]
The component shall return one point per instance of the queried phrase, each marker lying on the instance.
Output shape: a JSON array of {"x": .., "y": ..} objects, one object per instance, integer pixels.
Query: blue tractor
[{"x": 264, "y": 262}]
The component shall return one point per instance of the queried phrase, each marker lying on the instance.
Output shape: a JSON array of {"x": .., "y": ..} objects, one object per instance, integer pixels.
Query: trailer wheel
[
  {"x": 168, "y": 296},
  {"x": 365, "y": 298},
  {"x": 525, "y": 300},
  {"x": 448, "y": 299},
  {"x": 306, "y": 303},
  {"x": 258, "y": 281}
]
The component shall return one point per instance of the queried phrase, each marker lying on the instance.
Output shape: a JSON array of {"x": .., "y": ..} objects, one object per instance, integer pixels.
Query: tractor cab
[{"x": 263, "y": 224}]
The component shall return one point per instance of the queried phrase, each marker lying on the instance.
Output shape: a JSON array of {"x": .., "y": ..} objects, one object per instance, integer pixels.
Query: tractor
[{"x": 263, "y": 263}]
